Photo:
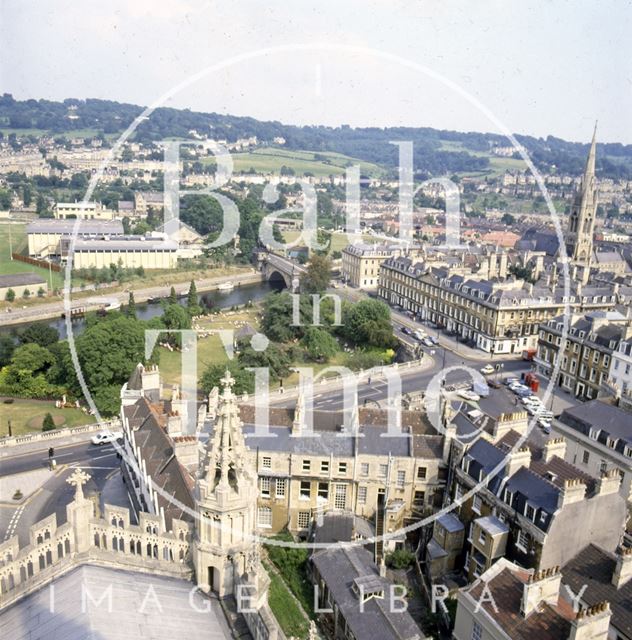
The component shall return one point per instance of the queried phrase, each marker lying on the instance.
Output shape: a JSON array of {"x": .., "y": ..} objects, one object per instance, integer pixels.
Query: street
[{"x": 55, "y": 493}]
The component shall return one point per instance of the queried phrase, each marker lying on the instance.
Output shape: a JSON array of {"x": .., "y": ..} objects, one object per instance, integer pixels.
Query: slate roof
[
  {"x": 594, "y": 567},
  {"x": 340, "y": 568},
  {"x": 162, "y": 465},
  {"x": 85, "y": 227},
  {"x": 609, "y": 419},
  {"x": 547, "y": 623}
]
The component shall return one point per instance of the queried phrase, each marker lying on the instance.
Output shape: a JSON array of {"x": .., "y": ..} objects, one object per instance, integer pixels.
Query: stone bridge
[{"x": 280, "y": 269}]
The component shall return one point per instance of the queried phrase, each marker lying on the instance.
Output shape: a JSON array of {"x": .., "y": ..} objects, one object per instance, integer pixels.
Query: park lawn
[
  {"x": 210, "y": 349},
  {"x": 26, "y": 416},
  {"x": 285, "y": 609}
]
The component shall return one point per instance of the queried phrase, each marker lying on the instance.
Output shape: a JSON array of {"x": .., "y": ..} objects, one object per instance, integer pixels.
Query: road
[{"x": 101, "y": 463}]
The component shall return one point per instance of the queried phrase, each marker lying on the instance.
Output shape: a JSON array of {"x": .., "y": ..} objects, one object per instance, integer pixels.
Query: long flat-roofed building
[
  {"x": 154, "y": 251},
  {"x": 52, "y": 238}
]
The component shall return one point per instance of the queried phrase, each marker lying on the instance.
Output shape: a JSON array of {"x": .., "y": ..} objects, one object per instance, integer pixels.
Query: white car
[
  {"x": 487, "y": 370},
  {"x": 106, "y": 437},
  {"x": 466, "y": 394}
]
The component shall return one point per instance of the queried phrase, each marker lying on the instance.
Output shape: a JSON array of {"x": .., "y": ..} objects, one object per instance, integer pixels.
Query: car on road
[
  {"x": 420, "y": 335},
  {"x": 466, "y": 394},
  {"x": 107, "y": 437},
  {"x": 487, "y": 369},
  {"x": 493, "y": 384},
  {"x": 511, "y": 380},
  {"x": 427, "y": 342},
  {"x": 433, "y": 339},
  {"x": 406, "y": 330}
]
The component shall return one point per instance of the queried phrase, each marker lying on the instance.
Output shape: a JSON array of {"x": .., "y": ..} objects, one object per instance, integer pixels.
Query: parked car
[
  {"x": 466, "y": 394},
  {"x": 420, "y": 335},
  {"x": 433, "y": 339},
  {"x": 427, "y": 342},
  {"x": 511, "y": 380},
  {"x": 493, "y": 384},
  {"x": 487, "y": 369},
  {"x": 106, "y": 437}
]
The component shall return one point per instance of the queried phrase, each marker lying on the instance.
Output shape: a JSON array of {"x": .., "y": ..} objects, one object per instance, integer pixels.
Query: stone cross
[{"x": 78, "y": 478}]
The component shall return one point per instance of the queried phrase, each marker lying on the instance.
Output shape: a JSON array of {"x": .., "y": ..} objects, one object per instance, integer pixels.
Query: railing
[{"x": 112, "y": 425}]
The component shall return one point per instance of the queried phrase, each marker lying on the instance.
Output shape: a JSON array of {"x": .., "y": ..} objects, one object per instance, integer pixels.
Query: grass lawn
[
  {"x": 13, "y": 236},
  {"x": 285, "y": 609},
  {"x": 291, "y": 563},
  {"x": 210, "y": 349},
  {"x": 270, "y": 160},
  {"x": 26, "y": 416}
]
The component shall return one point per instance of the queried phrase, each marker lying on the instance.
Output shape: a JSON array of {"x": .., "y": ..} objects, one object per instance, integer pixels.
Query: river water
[{"x": 147, "y": 310}]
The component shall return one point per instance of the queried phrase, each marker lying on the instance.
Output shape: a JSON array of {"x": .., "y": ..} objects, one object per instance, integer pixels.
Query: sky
[{"x": 538, "y": 67}]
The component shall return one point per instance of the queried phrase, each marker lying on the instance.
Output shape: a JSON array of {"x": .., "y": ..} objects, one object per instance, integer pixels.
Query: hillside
[{"x": 436, "y": 151}]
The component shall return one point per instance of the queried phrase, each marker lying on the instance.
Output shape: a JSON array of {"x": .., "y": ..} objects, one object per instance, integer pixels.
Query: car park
[
  {"x": 487, "y": 369},
  {"x": 106, "y": 437}
]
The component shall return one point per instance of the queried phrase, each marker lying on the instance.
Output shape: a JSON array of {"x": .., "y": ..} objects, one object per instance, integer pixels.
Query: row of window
[{"x": 365, "y": 468}]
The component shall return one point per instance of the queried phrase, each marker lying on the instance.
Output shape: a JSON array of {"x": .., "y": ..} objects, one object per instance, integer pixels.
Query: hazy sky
[{"x": 541, "y": 66}]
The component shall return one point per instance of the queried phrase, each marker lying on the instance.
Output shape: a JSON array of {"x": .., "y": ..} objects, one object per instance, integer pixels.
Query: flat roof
[
  {"x": 66, "y": 227},
  {"x": 20, "y": 279}
]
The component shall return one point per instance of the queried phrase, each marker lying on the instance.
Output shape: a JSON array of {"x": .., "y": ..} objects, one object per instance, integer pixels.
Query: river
[{"x": 147, "y": 310}]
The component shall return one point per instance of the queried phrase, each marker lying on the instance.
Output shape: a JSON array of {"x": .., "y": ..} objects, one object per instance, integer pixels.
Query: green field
[
  {"x": 26, "y": 416},
  {"x": 270, "y": 160},
  {"x": 14, "y": 235}
]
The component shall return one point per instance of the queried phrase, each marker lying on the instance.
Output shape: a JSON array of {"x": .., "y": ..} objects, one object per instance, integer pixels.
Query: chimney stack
[
  {"x": 572, "y": 491},
  {"x": 517, "y": 459},
  {"x": 623, "y": 568},
  {"x": 542, "y": 586},
  {"x": 591, "y": 623},
  {"x": 554, "y": 447},
  {"x": 610, "y": 482}
]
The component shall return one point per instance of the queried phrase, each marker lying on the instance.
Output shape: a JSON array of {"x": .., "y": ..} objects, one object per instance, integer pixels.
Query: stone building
[
  {"x": 585, "y": 356},
  {"x": 508, "y": 601},
  {"x": 551, "y": 508},
  {"x": 20, "y": 283},
  {"x": 598, "y": 439},
  {"x": 497, "y": 317},
  {"x": 354, "y": 465},
  {"x": 361, "y": 263},
  {"x": 52, "y": 238}
]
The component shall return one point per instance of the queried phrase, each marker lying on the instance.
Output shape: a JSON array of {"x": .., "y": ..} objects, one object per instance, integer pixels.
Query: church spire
[
  {"x": 581, "y": 221},
  {"x": 227, "y": 449},
  {"x": 589, "y": 172}
]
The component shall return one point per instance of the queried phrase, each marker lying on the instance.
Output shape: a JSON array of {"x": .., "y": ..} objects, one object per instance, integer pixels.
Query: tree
[
  {"x": 319, "y": 344},
  {"x": 40, "y": 334},
  {"x": 9, "y": 295},
  {"x": 130, "y": 311},
  {"x": 508, "y": 219},
  {"x": 7, "y": 347},
  {"x": 368, "y": 323},
  {"x": 31, "y": 358},
  {"x": 48, "y": 424},
  {"x": 173, "y": 296},
  {"x": 175, "y": 318},
  {"x": 26, "y": 294},
  {"x": 275, "y": 359},
  {"x": 108, "y": 351},
  {"x": 244, "y": 380},
  {"x": 193, "y": 307},
  {"x": 317, "y": 276},
  {"x": 40, "y": 292}
]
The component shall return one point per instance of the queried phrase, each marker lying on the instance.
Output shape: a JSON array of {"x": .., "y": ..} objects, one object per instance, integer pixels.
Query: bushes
[
  {"x": 399, "y": 559},
  {"x": 48, "y": 423}
]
